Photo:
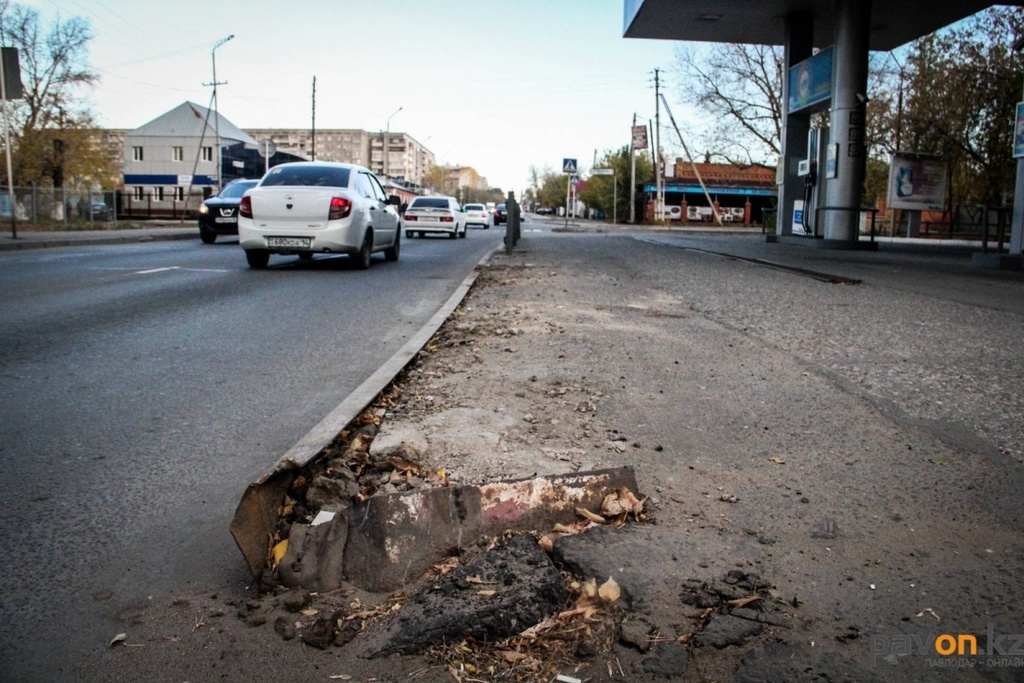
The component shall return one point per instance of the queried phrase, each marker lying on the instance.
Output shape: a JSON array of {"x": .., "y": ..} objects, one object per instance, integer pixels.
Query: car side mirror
[{"x": 394, "y": 200}]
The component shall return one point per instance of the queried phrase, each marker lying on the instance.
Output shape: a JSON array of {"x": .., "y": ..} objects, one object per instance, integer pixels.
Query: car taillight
[
  {"x": 446, "y": 219},
  {"x": 410, "y": 218},
  {"x": 245, "y": 207},
  {"x": 340, "y": 208}
]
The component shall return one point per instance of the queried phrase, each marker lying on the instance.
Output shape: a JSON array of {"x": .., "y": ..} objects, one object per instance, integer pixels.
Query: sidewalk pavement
[
  {"x": 829, "y": 444},
  {"x": 34, "y": 239}
]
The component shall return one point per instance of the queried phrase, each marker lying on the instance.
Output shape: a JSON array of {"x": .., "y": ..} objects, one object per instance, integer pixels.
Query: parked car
[
  {"x": 439, "y": 214},
  {"x": 218, "y": 215},
  {"x": 93, "y": 210},
  {"x": 500, "y": 214},
  {"x": 309, "y": 207},
  {"x": 477, "y": 214},
  {"x": 544, "y": 211}
]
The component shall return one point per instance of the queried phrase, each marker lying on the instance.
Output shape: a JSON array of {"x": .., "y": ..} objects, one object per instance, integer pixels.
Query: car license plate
[
  {"x": 223, "y": 219},
  {"x": 294, "y": 242}
]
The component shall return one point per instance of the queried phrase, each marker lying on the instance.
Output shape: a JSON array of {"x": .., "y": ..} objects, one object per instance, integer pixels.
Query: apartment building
[{"x": 407, "y": 159}]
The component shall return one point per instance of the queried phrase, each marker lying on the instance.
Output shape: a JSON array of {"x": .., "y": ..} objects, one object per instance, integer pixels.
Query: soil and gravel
[{"x": 831, "y": 478}]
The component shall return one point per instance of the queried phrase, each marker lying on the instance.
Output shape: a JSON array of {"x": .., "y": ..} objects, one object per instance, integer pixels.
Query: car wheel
[
  {"x": 463, "y": 233},
  {"x": 257, "y": 258},
  {"x": 206, "y": 235},
  {"x": 362, "y": 257},
  {"x": 391, "y": 253},
  {"x": 452, "y": 235}
]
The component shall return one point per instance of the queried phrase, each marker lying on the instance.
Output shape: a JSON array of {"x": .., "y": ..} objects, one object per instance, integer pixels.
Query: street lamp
[
  {"x": 387, "y": 134},
  {"x": 216, "y": 116}
]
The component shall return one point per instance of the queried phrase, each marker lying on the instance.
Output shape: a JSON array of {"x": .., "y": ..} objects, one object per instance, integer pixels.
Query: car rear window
[
  {"x": 236, "y": 189},
  {"x": 474, "y": 207},
  {"x": 315, "y": 176},
  {"x": 429, "y": 203}
]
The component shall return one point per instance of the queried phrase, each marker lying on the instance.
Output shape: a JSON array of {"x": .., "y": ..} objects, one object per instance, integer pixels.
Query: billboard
[
  {"x": 916, "y": 182},
  {"x": 639, "y": 137},
  {"x": 810, "y": 81}
]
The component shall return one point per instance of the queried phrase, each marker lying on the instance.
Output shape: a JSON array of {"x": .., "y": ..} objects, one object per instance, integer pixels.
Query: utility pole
[
  {"x": 659, "y": 198},
  {"x": 632, "y": 173},
  {"x": 216, "y": 116},
  {"x": 312, "y": 143}
]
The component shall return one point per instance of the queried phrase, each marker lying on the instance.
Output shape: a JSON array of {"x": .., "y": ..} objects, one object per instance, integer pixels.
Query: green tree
[
  {"x": 53, "y": 128},
  {"x": 959, "y": 89},
  {"x": 599, "y": 193}
]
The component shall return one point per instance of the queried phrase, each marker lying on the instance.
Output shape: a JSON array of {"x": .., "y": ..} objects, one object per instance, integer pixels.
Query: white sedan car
[
  {"x": 477, "y": 214},
  {"x": 309, "y": 207},
  {"x": 435, "y": 214}
]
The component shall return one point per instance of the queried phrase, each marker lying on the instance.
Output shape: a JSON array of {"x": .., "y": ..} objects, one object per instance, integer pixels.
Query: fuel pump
[{"x": 808, "y": 170}]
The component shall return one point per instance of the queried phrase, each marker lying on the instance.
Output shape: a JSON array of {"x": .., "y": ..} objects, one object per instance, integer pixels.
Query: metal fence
[{"x": 36, "y": 205}]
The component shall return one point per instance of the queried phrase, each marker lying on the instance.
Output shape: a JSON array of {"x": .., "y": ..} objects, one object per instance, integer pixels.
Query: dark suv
[
  {"x": 219, "y": 214},
  {"x": 500, "y": 214}
]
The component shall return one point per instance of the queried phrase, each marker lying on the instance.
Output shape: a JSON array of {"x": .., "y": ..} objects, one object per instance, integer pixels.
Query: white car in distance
[
  {"x": 477, "y": 214},
  {"x": 438, "y": 214},
  {"x": 310, "y": 207}
]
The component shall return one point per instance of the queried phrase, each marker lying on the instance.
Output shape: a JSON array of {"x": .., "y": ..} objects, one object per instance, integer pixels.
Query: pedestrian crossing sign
[{"x": 568, "y": 165}]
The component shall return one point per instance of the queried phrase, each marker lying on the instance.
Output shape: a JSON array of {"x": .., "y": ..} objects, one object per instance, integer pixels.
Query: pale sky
[{"x": 498, "y": 85}]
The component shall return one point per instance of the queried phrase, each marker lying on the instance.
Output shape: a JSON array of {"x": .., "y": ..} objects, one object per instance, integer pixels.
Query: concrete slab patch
[{"x": 394, "y": 538}]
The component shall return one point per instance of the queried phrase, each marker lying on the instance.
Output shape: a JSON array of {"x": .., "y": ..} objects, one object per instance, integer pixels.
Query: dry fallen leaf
[
  {"x": 589, "y": 589},
  {"x": 609, "y": 591},
  {"x": 310, "y": 612},
  {"x": 277, "y": 554},
  {"x": 777, "y": 460},
  {"x": 622, "y": 502},
  {"x": 119, "y": 638},
  {"x": 742, "y": 602},
  {"x": 486, "y": 594},
  {"x": 593, "y": 517},
  {"x": 547, "y": 543}
]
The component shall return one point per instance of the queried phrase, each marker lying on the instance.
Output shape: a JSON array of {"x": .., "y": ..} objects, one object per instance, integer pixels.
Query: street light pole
[
  {"x": 216, "y": 116},
  {"x": 387, "y": 134}
]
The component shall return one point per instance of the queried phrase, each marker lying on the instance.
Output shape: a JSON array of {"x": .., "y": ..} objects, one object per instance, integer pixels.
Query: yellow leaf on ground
[
  {"x": 277, "y": 554},
  {"x": 609, "y": 591},
  {"x": 486, "y": 594},
  {"x": 777, "y": 460}
]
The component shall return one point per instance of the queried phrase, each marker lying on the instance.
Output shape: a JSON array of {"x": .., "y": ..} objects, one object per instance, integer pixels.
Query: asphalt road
[{"x": 144, "y": 386}]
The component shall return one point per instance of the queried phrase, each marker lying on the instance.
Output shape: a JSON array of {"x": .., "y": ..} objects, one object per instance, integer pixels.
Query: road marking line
[{"x": 155, "y": 270}]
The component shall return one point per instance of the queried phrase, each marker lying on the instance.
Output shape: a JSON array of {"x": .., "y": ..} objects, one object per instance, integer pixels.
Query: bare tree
[
  {"x": 740, "y": 86},
  {"x": 52, "y": 123}
]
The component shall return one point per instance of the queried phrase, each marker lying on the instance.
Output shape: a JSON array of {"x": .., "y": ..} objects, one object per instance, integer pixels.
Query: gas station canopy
[{"x": 763, "y": 22}]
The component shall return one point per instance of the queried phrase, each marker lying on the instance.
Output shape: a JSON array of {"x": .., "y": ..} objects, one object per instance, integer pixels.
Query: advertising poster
[
  {"x": 810, "y": 81},
  {"x": 916, "y": 182}
]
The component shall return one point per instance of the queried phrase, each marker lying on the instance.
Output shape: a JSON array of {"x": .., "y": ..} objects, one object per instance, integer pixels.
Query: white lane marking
[
  {"x": 155, "y": 270},
  {"x": 192, "y": 270}
]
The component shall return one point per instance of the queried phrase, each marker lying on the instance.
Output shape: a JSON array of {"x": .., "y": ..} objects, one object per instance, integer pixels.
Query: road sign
[
  {"x": 602, "y": 171},
  {"x": 568, "y": 165}
]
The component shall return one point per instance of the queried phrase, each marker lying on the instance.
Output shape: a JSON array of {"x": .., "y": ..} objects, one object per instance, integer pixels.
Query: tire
[
  {"x": 463, "y": 233},
  {"x": 362, "y": 257},
  {"x": 206, "y": 235},
  {"x": 257, "y": 258},
  {"x": 452, "y": 235},
  {"x": 391, "y": 253}
]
